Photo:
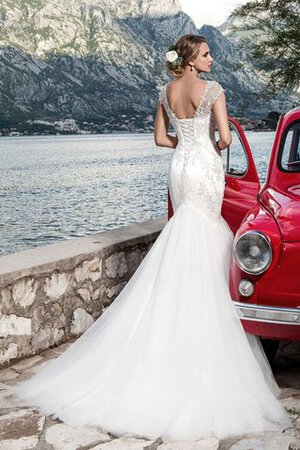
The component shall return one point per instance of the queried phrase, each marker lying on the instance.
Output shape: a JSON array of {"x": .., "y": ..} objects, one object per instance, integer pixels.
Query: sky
[{"x": 214, "y": 12}]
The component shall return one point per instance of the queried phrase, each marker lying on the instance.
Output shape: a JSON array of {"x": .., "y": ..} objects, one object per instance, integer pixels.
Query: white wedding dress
[{"x": 169, "y": 357}]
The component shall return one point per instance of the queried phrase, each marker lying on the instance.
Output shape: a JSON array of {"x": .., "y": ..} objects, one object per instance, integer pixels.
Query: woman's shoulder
[
  {"x": 215, "y": 84},
  {"x": 215, "y": 89}
]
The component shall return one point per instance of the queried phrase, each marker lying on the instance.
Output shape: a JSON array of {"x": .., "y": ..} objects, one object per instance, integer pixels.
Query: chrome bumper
[{"x": 270, "y": 314}]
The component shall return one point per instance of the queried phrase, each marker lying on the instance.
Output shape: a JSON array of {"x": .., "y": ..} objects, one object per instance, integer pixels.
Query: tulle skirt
[{"x": 169, "y": 357}]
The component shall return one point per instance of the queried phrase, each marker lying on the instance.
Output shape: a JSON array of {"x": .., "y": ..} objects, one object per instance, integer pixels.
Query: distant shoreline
[
  {"x": 107, "y": 133},
  {"x": 75, "y": 134}
]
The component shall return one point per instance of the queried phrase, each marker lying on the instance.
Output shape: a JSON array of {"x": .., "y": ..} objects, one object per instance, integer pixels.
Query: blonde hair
[{"x": 188, "y": 47}]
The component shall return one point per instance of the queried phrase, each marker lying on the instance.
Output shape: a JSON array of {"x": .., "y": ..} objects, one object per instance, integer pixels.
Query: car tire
[{"x": 270, "y": 347}]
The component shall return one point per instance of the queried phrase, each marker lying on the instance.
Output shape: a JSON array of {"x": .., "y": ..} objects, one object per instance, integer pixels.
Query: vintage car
[{"x": 263, "y": 211}]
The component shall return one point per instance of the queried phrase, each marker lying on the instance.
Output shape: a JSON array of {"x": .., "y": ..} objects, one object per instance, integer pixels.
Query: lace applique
[
  {"x": 199, "y": 181},
  {"x": 210, "y": 96}
]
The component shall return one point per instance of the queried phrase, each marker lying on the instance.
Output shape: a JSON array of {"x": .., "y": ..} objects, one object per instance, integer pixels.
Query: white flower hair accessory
[{"x": 173, "y": 57}]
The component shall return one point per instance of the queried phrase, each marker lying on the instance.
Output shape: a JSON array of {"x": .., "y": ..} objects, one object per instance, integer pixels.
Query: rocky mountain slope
[{"x": 99, "y": 60}]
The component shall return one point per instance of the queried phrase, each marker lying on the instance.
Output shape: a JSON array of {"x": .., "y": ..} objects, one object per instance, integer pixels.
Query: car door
[{"x": 241, "y": 179}]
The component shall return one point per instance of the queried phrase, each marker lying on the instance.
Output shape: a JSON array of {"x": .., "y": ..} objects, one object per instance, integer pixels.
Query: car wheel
[{"x": 270, "y": 347}]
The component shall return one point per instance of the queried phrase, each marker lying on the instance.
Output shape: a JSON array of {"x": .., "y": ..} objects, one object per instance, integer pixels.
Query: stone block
[
  {"x": 41, "y": 340},
  {"x": 81, "y": 321},
  {"x": 115, "y": 290},
  {"x": 116, "y": 265},
  {"x": 60, "y": 322},
  {"x": 124, "y": 444},
  {"x": 134, "y": 259},
  {"x": 89, "y": 270},
  {"x": 57, "y": 336},
  {"x": 12, "y": 325},
  {"x": 56, "y": 285},
  {"x": 84, "y": 294},
  {"x": 24, "y": 292},
  {"x": 263, "y": 443},
  {"x": 20, "y": 430},
  {"x": 201, "y": 444},
  {"x": 5, "y": 300},
  {"x": 96, "y": 294},
  {"x": 65, "y": 437}
]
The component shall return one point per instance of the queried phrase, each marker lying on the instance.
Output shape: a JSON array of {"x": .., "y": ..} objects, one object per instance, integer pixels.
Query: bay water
[{"x": 61, "y": 187}]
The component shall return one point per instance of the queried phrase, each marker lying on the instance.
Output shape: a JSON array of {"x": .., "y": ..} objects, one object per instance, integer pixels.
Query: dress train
[{"x": 169, "y": 357}]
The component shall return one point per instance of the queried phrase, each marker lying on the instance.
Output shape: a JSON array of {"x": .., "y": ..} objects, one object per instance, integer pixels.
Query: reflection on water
[{"x": 60, "y": 187}]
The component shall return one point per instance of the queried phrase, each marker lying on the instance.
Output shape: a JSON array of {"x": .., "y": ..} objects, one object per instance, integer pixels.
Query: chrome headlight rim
[{"x": 241, "y": 265}]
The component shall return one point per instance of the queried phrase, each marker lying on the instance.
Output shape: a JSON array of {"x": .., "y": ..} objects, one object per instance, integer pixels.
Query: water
[
  {"x": 61, "y": 187},
  {"x": 261, "y": 145}
]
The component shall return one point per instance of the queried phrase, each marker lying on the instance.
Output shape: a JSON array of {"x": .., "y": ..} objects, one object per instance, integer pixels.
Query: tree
[
  {"x": 273, "y": 118},
  {"x": 272, "y": 38}
]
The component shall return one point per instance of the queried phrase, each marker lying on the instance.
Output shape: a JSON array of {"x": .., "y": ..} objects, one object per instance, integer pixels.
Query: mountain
[
  {"x": 101, "y": 61},
  {"x": 78, "y": 28},
  {"x": 225, "y": 29}
]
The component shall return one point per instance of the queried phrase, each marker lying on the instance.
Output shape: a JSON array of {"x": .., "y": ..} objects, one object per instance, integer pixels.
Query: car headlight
[
  {"x": 246, "y": 288},
  {"x": 253, "y": 252}
]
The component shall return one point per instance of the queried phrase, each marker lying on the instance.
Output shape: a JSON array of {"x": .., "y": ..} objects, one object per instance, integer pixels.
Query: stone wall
[{"x": 51, "y": 294}]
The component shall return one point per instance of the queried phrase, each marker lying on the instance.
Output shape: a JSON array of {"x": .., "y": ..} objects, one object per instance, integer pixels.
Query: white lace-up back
[{"x": 196, "y": 173}]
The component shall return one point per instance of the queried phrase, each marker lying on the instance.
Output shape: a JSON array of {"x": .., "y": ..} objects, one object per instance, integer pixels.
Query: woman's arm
[
  {"x": 220, "y": 113},
  {"x": 161, "y": 136}
]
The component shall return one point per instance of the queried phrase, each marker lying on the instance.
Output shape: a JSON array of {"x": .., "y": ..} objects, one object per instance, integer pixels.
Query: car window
[
  {"x": 289, "y": 154},
  {"x": 234, "y": 158}
]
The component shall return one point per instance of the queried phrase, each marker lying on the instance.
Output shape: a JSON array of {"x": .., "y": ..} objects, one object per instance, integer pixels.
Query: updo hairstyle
[{"x": 187, "y": 48}]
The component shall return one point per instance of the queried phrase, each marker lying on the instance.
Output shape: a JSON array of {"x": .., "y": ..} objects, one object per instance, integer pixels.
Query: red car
[{"x": 265, "y": 264}]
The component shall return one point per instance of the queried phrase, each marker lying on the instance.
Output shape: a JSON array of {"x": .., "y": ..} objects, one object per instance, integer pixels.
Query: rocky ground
[{"x": 23, "y": 428}]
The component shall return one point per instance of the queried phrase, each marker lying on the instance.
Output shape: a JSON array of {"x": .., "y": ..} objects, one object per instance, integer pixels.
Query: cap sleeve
[
  {"x": 215, "y": 92},
  {"x": 160, "y": 94}
]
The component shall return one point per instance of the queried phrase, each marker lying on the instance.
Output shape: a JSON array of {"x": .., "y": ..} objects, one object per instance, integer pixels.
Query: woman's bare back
[{"x": 184, "y": 97}]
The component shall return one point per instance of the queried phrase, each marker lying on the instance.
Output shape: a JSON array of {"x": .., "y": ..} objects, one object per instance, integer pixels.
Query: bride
[{"x": 169, "y": 358}]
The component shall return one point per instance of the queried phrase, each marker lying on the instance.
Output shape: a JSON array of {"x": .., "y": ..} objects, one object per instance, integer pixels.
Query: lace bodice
[
  {"x": 196, "y": 173},
  {"x": 202, "y": 124}
]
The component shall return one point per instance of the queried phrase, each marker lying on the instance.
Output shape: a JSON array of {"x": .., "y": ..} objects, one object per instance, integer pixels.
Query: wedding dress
[{"x": 169, "y": 357}]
